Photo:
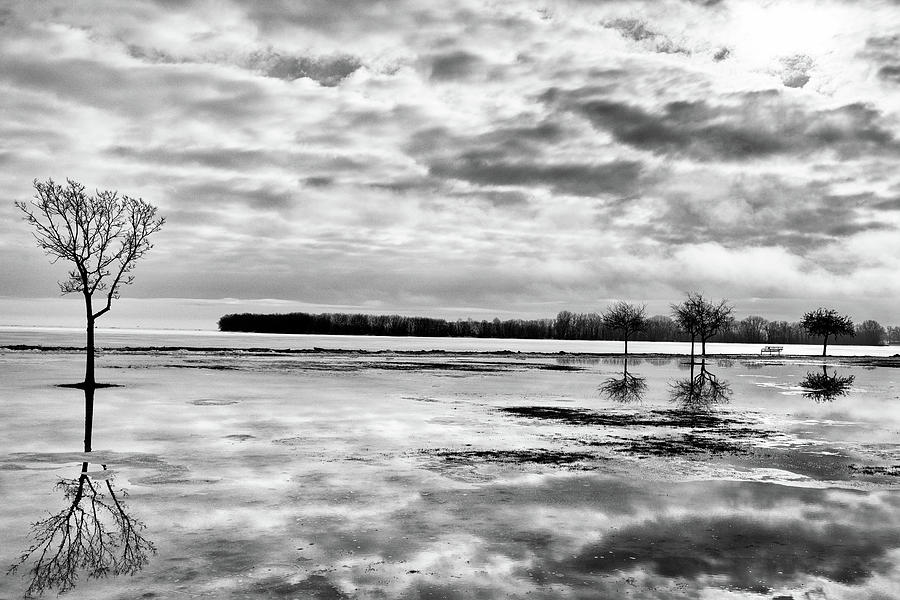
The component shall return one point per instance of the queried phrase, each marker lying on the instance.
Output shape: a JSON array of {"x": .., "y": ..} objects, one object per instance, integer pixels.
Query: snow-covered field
[
  {"x": 357, "y": 475},
  {"x": 117, "y": 338}
]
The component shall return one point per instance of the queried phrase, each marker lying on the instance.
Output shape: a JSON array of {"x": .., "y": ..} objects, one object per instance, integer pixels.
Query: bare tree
[
  {"x": 625, "y": 318},
  {"x": 103, "y": 235},
  {"x": 753, "y": 328},
  {"x": 826, "y": 322},
  {"x": 702, "y": 318},
  {"x": 94, "y": 534}
]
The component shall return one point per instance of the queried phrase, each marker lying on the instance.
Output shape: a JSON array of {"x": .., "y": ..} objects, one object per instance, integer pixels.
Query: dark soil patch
[
  {"x": 541, "y": 456},
  {"x": 689, "y": 443},
  {"x": 212, "y": 402},
  {"x": 889, "y": 470},
  {"x": 653, "y": 418}
]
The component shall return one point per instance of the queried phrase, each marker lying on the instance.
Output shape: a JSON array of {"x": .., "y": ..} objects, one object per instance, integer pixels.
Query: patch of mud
[
  {"x": 212, "y": 402},
  {"x": 652, "y": 418},
  {"x": 539, "y": 456},
  {"x": 291, "y": 441},
  {"x": 886, "y": 470},
  {"x": 686, "y": 444}
]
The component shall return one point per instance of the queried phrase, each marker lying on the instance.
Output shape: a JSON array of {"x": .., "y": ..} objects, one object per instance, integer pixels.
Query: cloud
[
  {"x": 752, "y": 125},
  {"x": 638, "y": 31},
  {"x": 328, "y": 70},
  {"x": 890, "y": 73},
  {"x": 795, "y": 70},
  {"x": 719, "y": 547},
  {"x": 582, "y": 179},
  {"x": 454, "y": 65}
]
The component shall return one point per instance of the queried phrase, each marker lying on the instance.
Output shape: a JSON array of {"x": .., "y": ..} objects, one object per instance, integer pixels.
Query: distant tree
[
  {"x": 752, "y": 329},
  {"x": 702, "y": 318},
  {"x": 660, "y": 328},
  {"x": 625, "y": 318},
  {"x": 870, "y": 333},
  {"x": 102, "y": 235},
  {"x": 893, "y": 334},
  {"x": 827, "y": 322}
]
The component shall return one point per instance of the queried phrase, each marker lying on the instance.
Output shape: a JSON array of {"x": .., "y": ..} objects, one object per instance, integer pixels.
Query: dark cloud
[
  {"x": 890, "y": 73},
  {"x": 637, "y": 30},
  {"x": 811, "y": 219},
  {"x": 219, "y": 194},
  {"x": 580, "y": 179},
  {"x": 753, "y": 125},
  {"x": 336, "y": 16},
  {"x": 721, "y": 54},
  {"x": 515, "y": 156},
  {"x": 328, "y": 71},
  {"x": 215, "y": 158},
  {"x": 454, "y": 65},
  {"x": 318, "y": 181}
]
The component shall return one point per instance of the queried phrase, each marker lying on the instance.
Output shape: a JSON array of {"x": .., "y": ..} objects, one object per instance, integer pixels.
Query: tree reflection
[
  {"x": 625, "y": 389},
  {"x": 94, "y": 534},
  {"x": 823, "y": 387},
  {"x": 701, "y": 391}
]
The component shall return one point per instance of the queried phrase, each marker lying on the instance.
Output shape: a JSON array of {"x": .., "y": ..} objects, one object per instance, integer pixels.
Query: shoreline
[{"x": 861, "y": 360}]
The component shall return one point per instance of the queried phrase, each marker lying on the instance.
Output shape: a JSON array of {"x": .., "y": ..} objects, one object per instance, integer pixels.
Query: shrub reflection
[
  {"x": 626, "y": 389},
  {"x": 701, "y": 391},
  {"x": 823, "y": 387}
]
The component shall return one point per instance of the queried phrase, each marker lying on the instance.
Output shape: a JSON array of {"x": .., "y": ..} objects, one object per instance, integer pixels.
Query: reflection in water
[
  {"x": 625, "y": 389},
  {"x": 823, "y": 387},
  {"x": 94, "y": 534},
  {"x": 701, "y": 391}
]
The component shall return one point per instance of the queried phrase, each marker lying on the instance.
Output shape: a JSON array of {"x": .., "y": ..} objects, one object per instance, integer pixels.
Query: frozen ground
[{"x": 354, "y": 475}]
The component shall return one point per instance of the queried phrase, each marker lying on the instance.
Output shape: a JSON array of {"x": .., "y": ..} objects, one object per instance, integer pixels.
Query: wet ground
[{"x": 440, "y": 475}]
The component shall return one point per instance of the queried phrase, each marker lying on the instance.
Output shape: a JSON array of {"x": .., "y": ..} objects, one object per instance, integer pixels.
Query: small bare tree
[
  {"x": 102, "y": 235},
  {"x": 626, "y": 318}
]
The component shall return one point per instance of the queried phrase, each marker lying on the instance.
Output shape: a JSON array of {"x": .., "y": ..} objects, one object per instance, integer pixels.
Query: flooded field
[{"x": 236, "y": 474}]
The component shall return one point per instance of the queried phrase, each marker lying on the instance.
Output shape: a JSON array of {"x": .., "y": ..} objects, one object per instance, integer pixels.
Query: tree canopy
[
  {"x": 625, "y": 318},
  {"x": 827, "y": 322}
]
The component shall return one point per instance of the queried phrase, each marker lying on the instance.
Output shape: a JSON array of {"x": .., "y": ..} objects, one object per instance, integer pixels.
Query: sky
[{"x": 477, "y": 158}]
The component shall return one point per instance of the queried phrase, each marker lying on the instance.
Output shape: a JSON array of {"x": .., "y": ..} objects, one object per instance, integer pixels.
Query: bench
[{"x": 771, "y": 349}]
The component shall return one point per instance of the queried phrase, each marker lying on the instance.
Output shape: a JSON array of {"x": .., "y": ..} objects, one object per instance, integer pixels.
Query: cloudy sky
[{"x": 468, "y": 158}]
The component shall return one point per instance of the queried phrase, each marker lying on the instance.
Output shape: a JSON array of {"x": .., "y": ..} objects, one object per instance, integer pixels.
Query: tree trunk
[
  {"x": 89, "y": 380},
  {"x": 88, "y": 417},
  {"x": 825, "y": 345},
  {"x": 703, "y": 347},
  {"x": 692, "y": 350},
  {"x": 626, "y": 345}
]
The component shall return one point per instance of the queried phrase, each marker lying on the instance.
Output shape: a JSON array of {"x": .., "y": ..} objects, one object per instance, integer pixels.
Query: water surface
[{"x": 336, "y": 475}]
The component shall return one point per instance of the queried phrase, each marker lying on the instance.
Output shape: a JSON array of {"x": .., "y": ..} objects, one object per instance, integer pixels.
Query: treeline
[{"x": 566, "y": 326}]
